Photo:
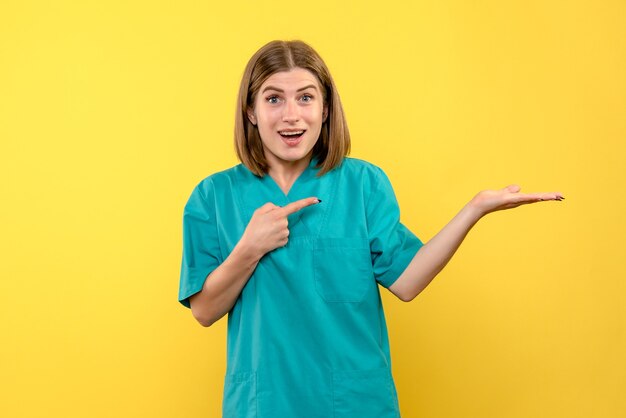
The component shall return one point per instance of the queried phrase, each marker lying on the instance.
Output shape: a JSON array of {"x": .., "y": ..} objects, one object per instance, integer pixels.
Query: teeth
[{"x": 291, "y": 133}]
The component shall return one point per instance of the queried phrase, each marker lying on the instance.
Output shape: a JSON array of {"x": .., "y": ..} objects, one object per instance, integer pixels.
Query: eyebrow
[{"x": 282, "y": 91}]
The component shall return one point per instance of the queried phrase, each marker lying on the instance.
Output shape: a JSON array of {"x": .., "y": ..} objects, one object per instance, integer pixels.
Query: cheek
[
  {"x": 314, "y": 115},
  {"x": 269, "y": 117},
  {"x": 264, "y": 123}
]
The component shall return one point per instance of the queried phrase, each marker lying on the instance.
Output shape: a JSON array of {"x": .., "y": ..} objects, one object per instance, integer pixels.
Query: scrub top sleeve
[
  {"x": 201, "y": 250},
  {"x": 392, "y": 244}
]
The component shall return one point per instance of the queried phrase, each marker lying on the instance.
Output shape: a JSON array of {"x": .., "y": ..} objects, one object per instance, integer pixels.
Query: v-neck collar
[
  {"x": 308, "y": 172},
  {"x": 255, "y": 191}
]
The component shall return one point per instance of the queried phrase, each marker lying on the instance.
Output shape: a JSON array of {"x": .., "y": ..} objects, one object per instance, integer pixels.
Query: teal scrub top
[{"x": 307, "y": 336}]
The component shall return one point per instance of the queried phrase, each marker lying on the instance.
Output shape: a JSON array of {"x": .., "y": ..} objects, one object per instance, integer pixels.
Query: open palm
[{"x": 509, "y": 197}]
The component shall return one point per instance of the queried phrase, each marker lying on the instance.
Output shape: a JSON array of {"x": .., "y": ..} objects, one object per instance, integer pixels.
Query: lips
[
  {"x": 292, "y": 140},
  {"x": 291, "y": 134}
]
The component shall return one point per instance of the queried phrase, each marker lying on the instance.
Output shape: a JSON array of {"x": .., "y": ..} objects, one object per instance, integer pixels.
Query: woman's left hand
[{"x": 509, "y": 197}]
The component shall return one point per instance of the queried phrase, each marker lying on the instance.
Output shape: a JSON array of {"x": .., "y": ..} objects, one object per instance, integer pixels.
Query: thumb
[
  {"x": 513, "y": 188},
  {"x": 268, "y": 207}
]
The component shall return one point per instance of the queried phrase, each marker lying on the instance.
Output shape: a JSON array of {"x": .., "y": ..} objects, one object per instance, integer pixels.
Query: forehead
[{"x": 291, "y": 80}]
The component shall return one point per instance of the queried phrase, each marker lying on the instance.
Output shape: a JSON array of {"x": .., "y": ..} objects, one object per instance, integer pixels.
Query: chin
[
  {"x": 292, "y": 158},
  {"x": 290, "y": 155}
]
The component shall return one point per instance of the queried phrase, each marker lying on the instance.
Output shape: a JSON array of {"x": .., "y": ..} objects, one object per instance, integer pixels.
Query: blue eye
[
  {"x": 272, "y": 99},
  {"x": 308, "y": 97}
]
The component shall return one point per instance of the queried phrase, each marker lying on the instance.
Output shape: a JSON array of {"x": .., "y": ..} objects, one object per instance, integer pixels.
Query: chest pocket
[{"x": 342, "y": 269}]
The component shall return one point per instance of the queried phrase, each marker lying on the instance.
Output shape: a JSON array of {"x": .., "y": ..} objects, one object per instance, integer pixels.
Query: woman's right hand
[
  {"x": 268, "y": 227},
  {"x": 266, "y": 231}
]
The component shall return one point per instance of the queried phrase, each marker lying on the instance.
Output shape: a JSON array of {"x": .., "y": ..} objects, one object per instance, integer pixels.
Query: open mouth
[{"x": 291, "y": 135}]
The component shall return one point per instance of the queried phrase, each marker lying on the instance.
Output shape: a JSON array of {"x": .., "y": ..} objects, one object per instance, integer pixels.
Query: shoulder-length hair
[{"x": 334, "y": 141}]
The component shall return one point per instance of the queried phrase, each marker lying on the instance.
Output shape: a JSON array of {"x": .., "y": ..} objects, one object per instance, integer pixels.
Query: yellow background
[{"x": 110, "y": 113}]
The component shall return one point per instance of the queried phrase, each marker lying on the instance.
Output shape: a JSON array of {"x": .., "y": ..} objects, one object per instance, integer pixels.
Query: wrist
[
  {"x": 246, "y": 253},
  {"x": 472, "y": 212}
]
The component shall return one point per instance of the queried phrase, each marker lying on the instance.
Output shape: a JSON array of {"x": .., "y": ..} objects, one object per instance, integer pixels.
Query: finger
[
  {"x": 538, "y": 197},
  {"x": 293, "y": 207},
  {"x": 551, "y": 196}
]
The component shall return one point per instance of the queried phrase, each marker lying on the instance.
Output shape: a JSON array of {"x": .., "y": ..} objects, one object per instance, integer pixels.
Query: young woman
[{"x": 293, "y": 242}]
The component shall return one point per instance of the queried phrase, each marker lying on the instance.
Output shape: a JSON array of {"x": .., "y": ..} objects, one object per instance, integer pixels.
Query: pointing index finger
[{"x": 293, "y": 207}]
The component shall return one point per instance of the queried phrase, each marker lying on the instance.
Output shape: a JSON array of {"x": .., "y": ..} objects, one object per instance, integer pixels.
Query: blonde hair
[{"x": 334, "y": 141}]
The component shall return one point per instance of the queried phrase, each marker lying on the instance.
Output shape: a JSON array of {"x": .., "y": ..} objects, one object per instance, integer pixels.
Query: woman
[{"x": 293, "y": 243}]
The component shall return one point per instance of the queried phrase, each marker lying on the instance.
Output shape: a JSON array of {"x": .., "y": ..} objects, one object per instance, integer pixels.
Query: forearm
[
  {"x": 223, "y": 286},
  {"x": 435, "y": 254}
]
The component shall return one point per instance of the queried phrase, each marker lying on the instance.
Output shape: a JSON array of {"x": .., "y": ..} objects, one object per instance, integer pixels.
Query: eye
[
  {"x": 307, "y": 98},
  {"x": 272, "y": 99}
]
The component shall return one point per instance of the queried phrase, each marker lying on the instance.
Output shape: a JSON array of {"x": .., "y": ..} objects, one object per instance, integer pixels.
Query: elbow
[
  {"x": 407, "y": 298},
  {"x": 203, "y": 318},
  {"x": 204, "y": 321},
  {"x": 405, "y": 295},
  {"x": 200, "y": 312}
]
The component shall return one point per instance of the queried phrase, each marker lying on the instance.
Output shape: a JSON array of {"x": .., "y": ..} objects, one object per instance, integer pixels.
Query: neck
[{"x": 285, "y": 173}]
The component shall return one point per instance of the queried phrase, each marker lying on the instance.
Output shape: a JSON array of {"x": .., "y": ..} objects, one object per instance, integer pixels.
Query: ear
[
  {"x": 251, "y": 116},
  {"x": 324, "y": 113}
]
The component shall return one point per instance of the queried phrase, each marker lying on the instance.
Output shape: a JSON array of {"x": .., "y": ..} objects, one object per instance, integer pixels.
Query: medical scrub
[{"x": 307, "y": 337}]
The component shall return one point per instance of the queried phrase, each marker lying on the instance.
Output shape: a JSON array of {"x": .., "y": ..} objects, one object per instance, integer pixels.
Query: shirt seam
[
  {"x": 217, "y": 235},
  {"x": 369, "y": 197}
]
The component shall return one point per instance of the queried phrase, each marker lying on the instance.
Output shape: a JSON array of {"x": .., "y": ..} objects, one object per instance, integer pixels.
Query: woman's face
[{"x": 289, "y": 111}]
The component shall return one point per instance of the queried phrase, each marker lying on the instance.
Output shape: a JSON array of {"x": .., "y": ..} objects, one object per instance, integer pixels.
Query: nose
[{"x": 291, "y": 112}]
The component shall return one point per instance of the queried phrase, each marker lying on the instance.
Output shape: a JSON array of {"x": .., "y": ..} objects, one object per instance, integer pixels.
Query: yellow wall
[{"x": 111, "y": 111}]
